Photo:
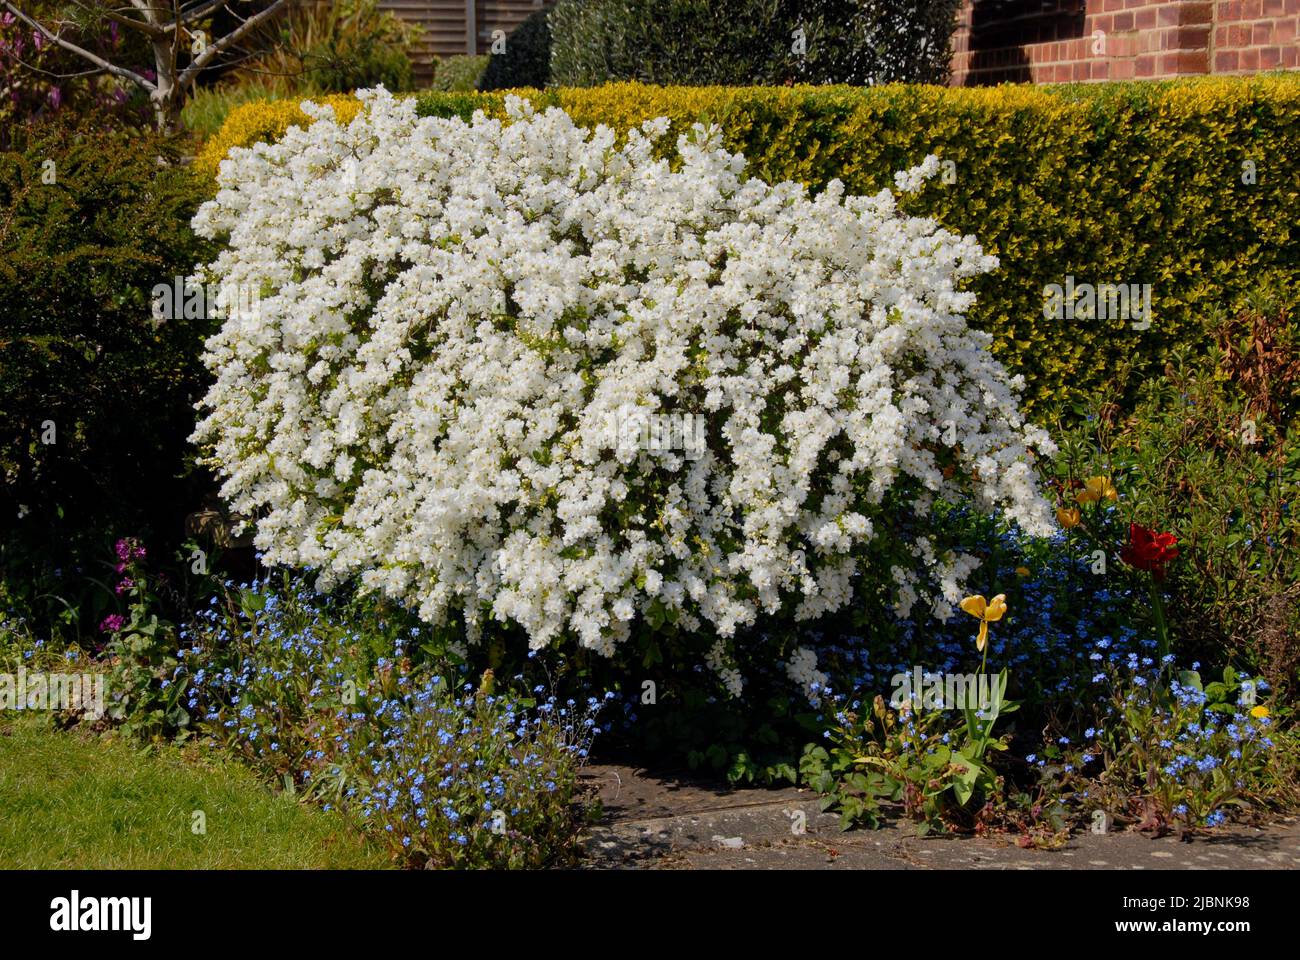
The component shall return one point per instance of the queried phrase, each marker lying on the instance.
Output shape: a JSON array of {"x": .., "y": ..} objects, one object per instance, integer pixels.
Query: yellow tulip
[
  {"x": 1067, "y": 517},
  {"x": 1097, "y": 488},
  {"x": 1260, "y": 712},
  {"x": 988, "y": 611}
]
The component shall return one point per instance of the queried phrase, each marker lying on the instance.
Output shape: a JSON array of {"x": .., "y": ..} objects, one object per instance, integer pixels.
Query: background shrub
[
  {"x": 84, "y": 366},
  {"x": 459, "y": 74},
  {"x": 876, "y": 41},
  {"x": 1211, "y": 453},
  {"x": 670, "y": 41},
  {"x": 751, "y": 41},
  {"x": 334, "y": 48},
  {"x": 1095, "y": 182},
  {"x": 39, "y": 79},
  {"x": 527, "y": 58}
]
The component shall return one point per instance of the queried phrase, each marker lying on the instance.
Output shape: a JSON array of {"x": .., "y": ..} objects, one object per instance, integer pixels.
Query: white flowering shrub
[{"x": 458, "y": 319}]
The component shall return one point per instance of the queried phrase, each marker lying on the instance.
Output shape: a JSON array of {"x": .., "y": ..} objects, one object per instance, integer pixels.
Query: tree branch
[
  {"x": 229, "y": 40},
  {"x": 186, "y": 17},
  {"x": 98, "y": 61}
]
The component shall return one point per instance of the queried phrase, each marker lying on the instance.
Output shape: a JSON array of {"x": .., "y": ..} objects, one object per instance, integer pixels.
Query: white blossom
[{"x": 453, "y": 315}]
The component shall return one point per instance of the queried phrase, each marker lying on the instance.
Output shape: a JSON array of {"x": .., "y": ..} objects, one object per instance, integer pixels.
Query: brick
[
  {"x": 1192, "y": 38},
  {"x": 1196, "y": 11},
  {"x": 1145, "y": 65},
  {"x": 1274, "y": 8},
  {"x": 1250, "y": 60},
  {"x": 1123, "y": 22},
  {"x": 1286, "y": 31},
  {"x": 1185, "y": 62},
  {"x": 1225, "y": 61},
  {"x": 1122, "y": 69},
  {"x": 1122, "y": 46},
  {"x": 1270, "y": 58},
  {"x": 1261, "y": 33},
  {"x": 1145, "y": 19},
  {"x": 1291, "y": 57}
]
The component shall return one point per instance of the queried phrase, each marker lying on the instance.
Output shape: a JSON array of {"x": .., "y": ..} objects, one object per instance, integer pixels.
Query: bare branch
[
  {"x": 229, "y": 40},
  {"x": 98, "y": 61},
  {"x": 133, "y": 24},
  {"x": 186, "y": 17},
  {"x": 58, "y": 76}
]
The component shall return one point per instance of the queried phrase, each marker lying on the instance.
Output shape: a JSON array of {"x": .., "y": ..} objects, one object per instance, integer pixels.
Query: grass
[
  {"x": 206, "y": 111},
  {"x": 75, "y": 801}
]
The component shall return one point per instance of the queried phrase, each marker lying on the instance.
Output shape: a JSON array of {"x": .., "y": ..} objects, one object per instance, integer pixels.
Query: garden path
[{"x": 670, "y": 822}]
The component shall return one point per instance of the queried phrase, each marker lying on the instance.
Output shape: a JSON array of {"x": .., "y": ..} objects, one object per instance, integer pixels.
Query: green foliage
[
  {"x": 526, "y": 61},
  {"x": 459, "y": 74},
  {"x": 751, "y": 41},
  {"x": 670, "y": 41},
  {"x": 355, "y": 705},
  {"x": 332, "y": 48},
  {"x": 146, "y": 689},
  {"x": 876, "y": 41},
  {"x": 95, "y": 396},
  {"x": 1171, "y": 753},
  {"x": 934, "y": 761},
  {"x": 1211, "y": 453}
]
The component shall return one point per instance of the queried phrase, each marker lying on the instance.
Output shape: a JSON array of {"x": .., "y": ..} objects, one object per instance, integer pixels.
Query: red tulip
[{"x": 1148, "y": 550}]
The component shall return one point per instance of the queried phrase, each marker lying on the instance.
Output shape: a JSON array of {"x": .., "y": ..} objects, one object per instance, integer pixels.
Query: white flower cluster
[
  {"x": 456, "y": 316},
  {"x": 801, "y": 668}
]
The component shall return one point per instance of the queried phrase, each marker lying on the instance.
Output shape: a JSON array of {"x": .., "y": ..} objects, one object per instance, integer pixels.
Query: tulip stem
[{"x": 1162, "y": 624}]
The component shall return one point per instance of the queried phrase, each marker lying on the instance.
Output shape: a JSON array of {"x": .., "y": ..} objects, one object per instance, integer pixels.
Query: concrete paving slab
[{"x": 674, "y": 821}]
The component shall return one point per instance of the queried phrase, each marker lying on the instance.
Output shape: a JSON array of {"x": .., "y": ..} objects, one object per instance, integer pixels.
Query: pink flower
[
  {"x": 113, "y": 623},
  {"x": 56, "y": 97},
  {"x": 129, "y": 548},
  {"x": 124, "y": 586}
]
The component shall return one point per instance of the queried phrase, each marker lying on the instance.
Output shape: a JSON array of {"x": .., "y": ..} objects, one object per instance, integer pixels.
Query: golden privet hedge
[{"x": 1188, "y": 190}]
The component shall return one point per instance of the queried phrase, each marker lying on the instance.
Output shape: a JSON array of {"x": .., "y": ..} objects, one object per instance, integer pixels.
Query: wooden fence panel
[{"x": 447, "y": 25}]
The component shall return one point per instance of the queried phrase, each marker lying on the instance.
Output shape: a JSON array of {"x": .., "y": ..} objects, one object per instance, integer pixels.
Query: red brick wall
[
  {"x": 1254, "y": 35},
  {"x": 1055, "y": 41}
]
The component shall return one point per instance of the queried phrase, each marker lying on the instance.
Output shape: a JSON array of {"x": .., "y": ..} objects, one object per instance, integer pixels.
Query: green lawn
[{"x": 69, "y": 800}]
